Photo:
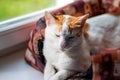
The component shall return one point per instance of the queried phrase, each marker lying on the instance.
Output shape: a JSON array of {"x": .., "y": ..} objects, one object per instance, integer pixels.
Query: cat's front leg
[
  {"x": 49, "y": 71},
  {"x": 62, "y": 75}
]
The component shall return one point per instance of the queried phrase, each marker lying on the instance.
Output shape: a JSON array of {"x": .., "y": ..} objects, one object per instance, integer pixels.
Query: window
[
  {"x": 15, "y": 29},
  {"x": 13, "y": 8}
]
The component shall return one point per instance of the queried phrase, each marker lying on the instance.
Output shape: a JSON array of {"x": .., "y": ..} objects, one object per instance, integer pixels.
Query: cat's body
[
  {"x": 104, "y": 32},
  {"x": 67, "y": 50}
]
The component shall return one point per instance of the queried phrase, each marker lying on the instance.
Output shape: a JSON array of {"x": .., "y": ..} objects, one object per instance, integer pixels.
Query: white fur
[
  {"x": 104, "y": 32},
  {"x": 77, "y": 59}
]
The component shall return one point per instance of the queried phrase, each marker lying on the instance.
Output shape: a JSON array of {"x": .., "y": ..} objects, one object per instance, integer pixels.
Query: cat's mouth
[{"x": 64, "y": 48}]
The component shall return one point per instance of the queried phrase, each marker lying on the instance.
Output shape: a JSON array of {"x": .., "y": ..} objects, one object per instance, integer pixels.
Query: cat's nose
[{"x": 63, "y": 45}]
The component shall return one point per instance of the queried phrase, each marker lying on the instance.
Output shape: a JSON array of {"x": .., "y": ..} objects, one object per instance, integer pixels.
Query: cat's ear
[
  {"x": 83, "y": 25},
  {"x": 49, "y": 19},
  {"x": 83, "y": 19}
]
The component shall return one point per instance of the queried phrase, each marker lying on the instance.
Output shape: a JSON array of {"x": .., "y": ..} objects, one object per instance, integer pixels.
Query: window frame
[{"x": 14, "y": 33}]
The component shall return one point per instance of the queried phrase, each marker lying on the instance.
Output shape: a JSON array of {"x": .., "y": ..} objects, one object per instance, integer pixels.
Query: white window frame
[{"x": 14, "y": 32}]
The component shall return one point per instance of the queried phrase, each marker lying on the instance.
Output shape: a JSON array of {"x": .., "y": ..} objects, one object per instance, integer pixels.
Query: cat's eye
[
  {"x": 71, "y": 37},
  {"x": 57, "y": 35}
]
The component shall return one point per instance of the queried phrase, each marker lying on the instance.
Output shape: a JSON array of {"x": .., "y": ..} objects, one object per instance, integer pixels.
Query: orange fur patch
[
  {"x": 59, "y": 19},
  {"x": 85, "y": 30},
  {"x": 72, "y": 21},
  {"x": 73, "y": 24}
]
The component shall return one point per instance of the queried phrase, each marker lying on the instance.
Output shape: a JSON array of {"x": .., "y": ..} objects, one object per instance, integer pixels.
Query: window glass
[{"x": 14, "y": 8}]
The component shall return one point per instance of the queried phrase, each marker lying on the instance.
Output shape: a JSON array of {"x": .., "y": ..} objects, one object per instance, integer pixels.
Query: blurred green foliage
[{"x": 13, "y": 8}]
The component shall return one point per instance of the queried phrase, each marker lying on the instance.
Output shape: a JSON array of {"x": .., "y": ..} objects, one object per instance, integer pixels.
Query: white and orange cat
[{"x": 68, "y": 42}]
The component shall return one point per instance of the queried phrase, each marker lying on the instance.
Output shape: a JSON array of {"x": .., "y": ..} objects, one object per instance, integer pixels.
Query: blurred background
[{"x": 14, "y": 8}]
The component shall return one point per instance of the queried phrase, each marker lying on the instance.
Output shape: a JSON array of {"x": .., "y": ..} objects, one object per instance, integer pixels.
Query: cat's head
[{"x": 65, "y": 29}]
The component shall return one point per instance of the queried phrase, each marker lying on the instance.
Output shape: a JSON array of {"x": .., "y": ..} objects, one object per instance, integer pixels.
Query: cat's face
[{"x": 66, "y": 30}]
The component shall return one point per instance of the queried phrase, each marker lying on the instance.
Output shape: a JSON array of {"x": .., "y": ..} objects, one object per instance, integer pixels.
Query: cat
[{"x": 69, "y": 40}]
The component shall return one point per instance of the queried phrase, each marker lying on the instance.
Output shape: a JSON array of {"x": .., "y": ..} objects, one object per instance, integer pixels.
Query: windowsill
[{"x": 14, "y": 67}]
